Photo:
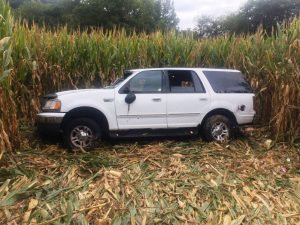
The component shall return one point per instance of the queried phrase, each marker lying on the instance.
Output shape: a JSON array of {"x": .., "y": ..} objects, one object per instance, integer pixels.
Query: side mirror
[{"x": 130, "y": 98}]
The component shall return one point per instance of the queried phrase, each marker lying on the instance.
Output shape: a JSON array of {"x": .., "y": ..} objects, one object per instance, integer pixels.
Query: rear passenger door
[{"x": 187, "y": 98}]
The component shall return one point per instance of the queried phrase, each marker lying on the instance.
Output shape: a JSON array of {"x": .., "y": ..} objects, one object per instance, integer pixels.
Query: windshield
[{"x": 114, "y": 84}]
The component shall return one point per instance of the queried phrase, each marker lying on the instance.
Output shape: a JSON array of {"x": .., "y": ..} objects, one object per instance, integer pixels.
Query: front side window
[
  {"x": 146, "y": 82},
  {"x": 184, "y": 81}
]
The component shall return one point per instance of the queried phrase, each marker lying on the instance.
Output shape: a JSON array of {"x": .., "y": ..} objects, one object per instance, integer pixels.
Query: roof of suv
[{"x": 184, "y": 68}]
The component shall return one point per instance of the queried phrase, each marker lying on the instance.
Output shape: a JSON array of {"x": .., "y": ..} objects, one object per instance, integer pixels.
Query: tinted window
[
  {"x": 198, "y": 84},
  {"x": 181, "y": 81},
  {"x": 227, "y": 82},
  {"x": 146, "y": 82}
]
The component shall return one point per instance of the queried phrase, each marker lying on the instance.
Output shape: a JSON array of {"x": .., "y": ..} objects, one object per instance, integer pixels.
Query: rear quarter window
[{"x": 227, "y": 82}]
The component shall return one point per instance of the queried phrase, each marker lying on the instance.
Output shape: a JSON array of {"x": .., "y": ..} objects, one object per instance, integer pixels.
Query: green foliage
[
  {"x": 267, "y": 13},
  {"x": 7, "y": 110},
  {"x": 50, "y": 13},
  {"x": 147, "y": 15},
  {"x": 208, "y": 27},
  {"x": 168, "y": 19},
  {"x": 255, "y": 13},
  {"x": 6, "y": 26}
]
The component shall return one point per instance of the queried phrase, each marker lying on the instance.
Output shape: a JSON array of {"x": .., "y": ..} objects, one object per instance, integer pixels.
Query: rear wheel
[
  {"x": 217, "y": 128},
  {"x": 81, "y": 133}
]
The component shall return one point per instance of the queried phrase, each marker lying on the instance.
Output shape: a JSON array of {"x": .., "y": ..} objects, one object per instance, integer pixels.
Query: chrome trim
[
  {"x": 82, "y": 136},
  {"x": 159, "y": 115},
  {"x": 156, "y": 99},
  {"x": 54, "y": 118},
  {"x": 141, "y": 116},
  {"x": 220, "y": 132},
  {"x": 108, "y": 99},
  {"x": 184, "y": 114}
]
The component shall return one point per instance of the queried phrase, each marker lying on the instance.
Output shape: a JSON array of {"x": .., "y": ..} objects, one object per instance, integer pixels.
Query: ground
[{"x": 246, "y": 181}]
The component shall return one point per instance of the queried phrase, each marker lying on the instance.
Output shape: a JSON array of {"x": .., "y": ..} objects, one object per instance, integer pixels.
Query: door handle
[
  {"x": 156, "y": 99},
  {"x": 203, "y": 99}
]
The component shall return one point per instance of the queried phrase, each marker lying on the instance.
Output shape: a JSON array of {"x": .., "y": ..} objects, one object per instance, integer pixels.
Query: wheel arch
[
  {"x": 220, "y": 111},
  {"x": 87, "y": 112}
]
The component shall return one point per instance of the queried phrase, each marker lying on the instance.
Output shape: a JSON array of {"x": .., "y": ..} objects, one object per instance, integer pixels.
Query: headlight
[{"x": 52, "y": 105}]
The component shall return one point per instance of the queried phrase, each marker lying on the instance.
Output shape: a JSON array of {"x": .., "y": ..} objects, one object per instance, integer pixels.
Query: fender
[
  {"x": 219, "y": 106},
  {"x": 93, "y": 100}
]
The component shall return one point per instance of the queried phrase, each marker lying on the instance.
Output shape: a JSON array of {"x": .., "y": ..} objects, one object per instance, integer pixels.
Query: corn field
[
  {"x": 247, "y": 181},
  {"x": 36, "y": 61}
]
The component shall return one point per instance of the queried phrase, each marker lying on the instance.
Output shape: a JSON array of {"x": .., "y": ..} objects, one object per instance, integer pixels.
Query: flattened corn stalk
[{"x": 47, "y": 61}]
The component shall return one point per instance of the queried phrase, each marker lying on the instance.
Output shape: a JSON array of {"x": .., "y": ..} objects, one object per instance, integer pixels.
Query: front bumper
[{"x": 49, "y": 123}]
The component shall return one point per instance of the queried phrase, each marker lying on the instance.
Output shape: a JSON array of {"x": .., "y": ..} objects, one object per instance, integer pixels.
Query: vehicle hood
[
  {"x": 84, "y": 97},
  {"x": 81, "y": 91}
]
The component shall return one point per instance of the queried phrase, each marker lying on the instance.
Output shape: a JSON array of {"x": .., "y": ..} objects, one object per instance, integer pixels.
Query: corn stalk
[
  {"x": 48, "y": 61},
  {"x": 6, "y": 24}
]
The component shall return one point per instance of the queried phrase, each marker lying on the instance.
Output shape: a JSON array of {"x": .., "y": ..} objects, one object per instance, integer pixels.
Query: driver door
[{"x": 149, "y": 109}]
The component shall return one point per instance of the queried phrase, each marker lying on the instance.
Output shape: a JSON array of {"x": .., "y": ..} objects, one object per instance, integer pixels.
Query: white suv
[{"x": 152, "y": 102}]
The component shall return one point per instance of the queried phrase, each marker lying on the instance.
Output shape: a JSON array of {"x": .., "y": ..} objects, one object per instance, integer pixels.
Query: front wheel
[
  {"x": 217, "y": 128},
  {"x": 81, "y": 133}
]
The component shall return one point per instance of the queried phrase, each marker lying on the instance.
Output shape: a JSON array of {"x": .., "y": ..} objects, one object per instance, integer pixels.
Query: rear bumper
[
  {"x": 49, "y": 123},
  {"x": 245, "y": 119},
  {"x": 250, "y": 121}
]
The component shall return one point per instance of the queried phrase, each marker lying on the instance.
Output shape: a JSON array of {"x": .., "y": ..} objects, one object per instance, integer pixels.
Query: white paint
[{"x": 172, "y": 110}]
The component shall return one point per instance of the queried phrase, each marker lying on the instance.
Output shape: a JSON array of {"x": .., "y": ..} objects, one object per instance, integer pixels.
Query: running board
[{"x": 155, "y": 132}]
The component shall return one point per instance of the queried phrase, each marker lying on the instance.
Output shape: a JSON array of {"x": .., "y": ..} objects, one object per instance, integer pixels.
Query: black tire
[
  {"x": 217, "y": 128},
  {"x": 81, "y": 133}
]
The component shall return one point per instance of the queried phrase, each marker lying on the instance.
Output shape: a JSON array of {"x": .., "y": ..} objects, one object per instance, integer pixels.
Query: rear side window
[
  {"x": 227, "y": 82},
  {"x": 184, "y": 81}
]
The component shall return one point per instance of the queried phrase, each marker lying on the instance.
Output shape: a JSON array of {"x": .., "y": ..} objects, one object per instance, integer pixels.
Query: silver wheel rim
[
  {"x": 220, "y": 132},
  {"x": 81, "y": 136}
]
